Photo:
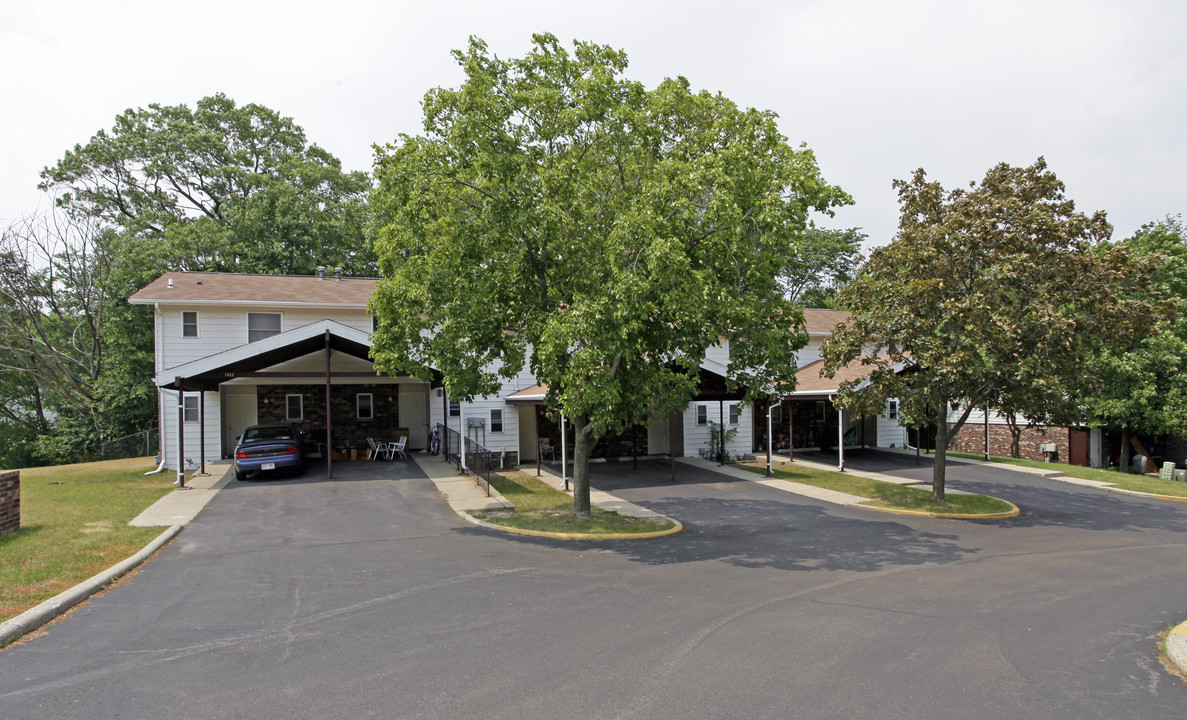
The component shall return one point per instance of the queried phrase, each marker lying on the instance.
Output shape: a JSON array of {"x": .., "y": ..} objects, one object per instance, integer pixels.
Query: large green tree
[
  {"x": 997, "y": 293},
  {"x": 555, "y": 213},
  {"x": 222, "y": 187},
  {"x": 1144, "y": 382}
]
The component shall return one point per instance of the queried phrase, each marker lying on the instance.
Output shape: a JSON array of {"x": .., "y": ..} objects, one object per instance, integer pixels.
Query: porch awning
[{"x": 209, "y": 372}]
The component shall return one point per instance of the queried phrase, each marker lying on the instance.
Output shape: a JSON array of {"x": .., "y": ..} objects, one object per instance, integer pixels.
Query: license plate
[{"x": 268, "y": 466}]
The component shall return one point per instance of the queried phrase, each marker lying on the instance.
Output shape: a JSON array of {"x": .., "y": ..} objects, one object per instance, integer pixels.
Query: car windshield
[{"x": 267, "y": 433}]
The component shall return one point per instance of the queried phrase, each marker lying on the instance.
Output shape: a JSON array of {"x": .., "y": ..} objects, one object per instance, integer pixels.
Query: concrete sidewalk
[
  {"x": 461, "y": 492},
  {"x": 181, "y": 505}
]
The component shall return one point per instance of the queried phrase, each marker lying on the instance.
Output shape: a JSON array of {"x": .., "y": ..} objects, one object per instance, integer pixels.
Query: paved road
[{"x": 365, "y": 597}]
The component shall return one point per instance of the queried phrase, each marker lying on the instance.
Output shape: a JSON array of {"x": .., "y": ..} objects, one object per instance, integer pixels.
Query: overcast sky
[{"x": 876, "y": 88}]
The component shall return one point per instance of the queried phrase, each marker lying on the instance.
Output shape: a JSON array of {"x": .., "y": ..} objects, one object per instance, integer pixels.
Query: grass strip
[
  {"x": 1126, "y": 481},
  {"x": 74, "y": 523},
  {"x": 890, "y": 495},
  {"x": 543, "y": 508}
]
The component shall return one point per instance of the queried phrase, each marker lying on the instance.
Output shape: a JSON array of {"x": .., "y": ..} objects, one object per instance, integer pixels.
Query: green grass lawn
[
  {"x": 542, "y": 508},
  {"x": 1126, "y": 481},
  {"x": 74, "y": 523},
  {"x": 890, "y": 495}
]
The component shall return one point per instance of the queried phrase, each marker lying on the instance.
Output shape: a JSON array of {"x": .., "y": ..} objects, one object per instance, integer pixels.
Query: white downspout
[
  {"x": 564, "y": 456},
  {"x": 160, "y": 393}
]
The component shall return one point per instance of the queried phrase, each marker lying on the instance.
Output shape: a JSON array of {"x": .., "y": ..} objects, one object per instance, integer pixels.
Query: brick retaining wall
[
  {"x": 971, "y": 439},
  {"x": 10, "y": 502}
]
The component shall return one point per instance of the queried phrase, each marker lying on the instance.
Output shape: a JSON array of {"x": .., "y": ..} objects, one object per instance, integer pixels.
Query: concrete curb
[
  {"x": 1014, "y": 512},
  {"x": 1176, "y": 646},
  {"x": 678, "y": 527},
  {"x": 35, "y": 617}
]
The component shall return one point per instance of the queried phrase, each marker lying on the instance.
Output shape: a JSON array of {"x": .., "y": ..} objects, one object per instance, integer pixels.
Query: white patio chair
[
  {"x": 380, "y": 448},
  {"x": 397, "y": 448}
]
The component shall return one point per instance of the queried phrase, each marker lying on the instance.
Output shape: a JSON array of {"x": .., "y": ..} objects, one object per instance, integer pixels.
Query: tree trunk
[
  {"x": 1124, "y": 463},
  {"x": 941, "y": 459},
  {"x": 1015, "y": 436},
  {"x": 583, "y": 445}
]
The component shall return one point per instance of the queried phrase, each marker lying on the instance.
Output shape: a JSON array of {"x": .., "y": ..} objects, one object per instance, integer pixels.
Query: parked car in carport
[{"x": 269, "y": 448}]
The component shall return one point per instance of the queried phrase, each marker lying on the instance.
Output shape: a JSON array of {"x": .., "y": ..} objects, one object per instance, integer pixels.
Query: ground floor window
[
  {"x": 496, "y": 420},
  {"x": 294, "y": 407},
  {"x": 190, "y": 412},
  {"x": 365, "y": 404}
]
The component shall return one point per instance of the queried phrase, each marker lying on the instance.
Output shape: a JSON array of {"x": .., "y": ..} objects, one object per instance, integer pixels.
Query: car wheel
[{"x": 240, "y": 475}]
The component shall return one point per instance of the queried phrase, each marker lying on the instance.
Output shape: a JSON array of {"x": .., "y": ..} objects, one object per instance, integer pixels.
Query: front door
[{"x": 240, "y": 414}]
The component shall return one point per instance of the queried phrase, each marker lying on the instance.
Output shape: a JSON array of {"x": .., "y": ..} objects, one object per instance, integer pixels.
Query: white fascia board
[
  {"x": 898, "y": 367},
  {"x": 242, "y": 352},
  {"x": 247, "y": 303}
]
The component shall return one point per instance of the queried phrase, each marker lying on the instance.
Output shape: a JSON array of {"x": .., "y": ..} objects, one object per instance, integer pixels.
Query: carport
[{"x": 327, "y": 351}]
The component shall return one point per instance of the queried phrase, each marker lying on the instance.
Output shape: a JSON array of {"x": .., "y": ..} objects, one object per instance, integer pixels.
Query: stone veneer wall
[
  {"x": 10, "y": 502},
  {"x": 971, "y": 439},
  {"x": 347, "y": 426}
]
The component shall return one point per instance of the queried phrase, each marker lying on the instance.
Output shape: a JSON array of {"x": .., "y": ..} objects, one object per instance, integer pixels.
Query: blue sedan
[{"x": 265, "y": 448}]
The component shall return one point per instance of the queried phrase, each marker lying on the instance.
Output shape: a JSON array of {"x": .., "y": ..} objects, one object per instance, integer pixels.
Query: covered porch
[{"x": 318, "y": 378}]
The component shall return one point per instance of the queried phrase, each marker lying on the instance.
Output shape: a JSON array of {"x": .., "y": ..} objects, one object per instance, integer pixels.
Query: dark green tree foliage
[
  {"x": 220, "y": 187},
  {"x": 556, "y": 213},
  {"x": 996, "y": 295},
  {"x": 1144, "y": 383},
  {"x": 824, "y": 260}
]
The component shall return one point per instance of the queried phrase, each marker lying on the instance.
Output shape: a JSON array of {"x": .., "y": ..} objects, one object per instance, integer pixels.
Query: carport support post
[
  {"x": 987, "y": 434},
  {"x": 841, "y": 439},
  {"x": 721, "y": 430},
  {"x": 329, "y": 448},
  {"x": 202, "y": 429},
  {"x": 790, "y": 434},
  {"x": 564, "y": 455},
  {"x": 770, "y": 407},
  {"x": 180, "y": 435}
]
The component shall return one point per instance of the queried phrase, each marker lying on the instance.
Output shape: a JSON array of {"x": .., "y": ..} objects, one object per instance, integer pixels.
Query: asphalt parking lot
[{"x": 364, "y": 596}]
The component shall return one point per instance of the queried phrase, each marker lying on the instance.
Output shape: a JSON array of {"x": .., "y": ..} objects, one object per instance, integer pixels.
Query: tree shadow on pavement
[{"x": 777, "y": 535}]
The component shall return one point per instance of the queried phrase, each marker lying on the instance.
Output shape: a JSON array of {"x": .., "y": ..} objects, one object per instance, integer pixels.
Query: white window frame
[
  {"x": 821, "y": 411},
  {"x": 892, "y": 409},
  {"x": 735, "y": 413},
  {"x": 279, "y": 331},
  {"x": 496, "y": 426},
  {"x": 191, "y": 411},
  {"x": 197, "y": 331},
  {"x": 455, "y": 408},
  {"x": 702, "y": 416},
  {"x": 358, "y": 406},
  {"x": 288, "y": 408},
  {"x": 777, "y": 414}
]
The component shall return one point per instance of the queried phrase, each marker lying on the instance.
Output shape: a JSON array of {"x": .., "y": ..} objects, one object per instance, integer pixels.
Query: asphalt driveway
[{"x": 364, "y": 596}]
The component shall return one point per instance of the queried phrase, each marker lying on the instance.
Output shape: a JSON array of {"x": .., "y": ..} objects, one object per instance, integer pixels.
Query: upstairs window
[
  {"x": 262, "y": 325},
  {"x": 189, "y": 323}
]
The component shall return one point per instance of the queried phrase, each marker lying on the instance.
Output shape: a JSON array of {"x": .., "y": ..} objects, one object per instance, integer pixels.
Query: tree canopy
[
  {"x": 1144, "y": 382},
  {"x": 999, "y": 294},
  {"x": 219, "y": 187},
  {"x": 555, "y": 213}
]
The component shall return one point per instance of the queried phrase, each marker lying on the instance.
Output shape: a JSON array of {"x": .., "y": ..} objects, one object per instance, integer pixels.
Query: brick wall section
[
  {"x": 347, "y": 427},
  {"x": 971, "y": 439},
  {"x": 10, "y": 502}
]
